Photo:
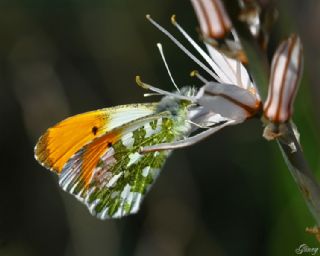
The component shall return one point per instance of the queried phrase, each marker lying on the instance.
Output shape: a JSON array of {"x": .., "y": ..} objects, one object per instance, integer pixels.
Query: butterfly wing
[
  {"x": 63, "y": 140},
  {"x": 109, "y": 174}
]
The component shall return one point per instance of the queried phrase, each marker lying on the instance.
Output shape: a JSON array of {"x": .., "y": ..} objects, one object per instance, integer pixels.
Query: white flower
[{"x": 230, "y": 96}]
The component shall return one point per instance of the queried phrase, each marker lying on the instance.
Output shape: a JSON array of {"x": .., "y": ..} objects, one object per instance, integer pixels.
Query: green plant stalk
[
  {"x": 296, "y": 161},
  {"x": 299, "y": 168}
]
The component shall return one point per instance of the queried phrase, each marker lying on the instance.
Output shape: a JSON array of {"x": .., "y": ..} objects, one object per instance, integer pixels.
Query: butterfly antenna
[
  {"x": 195, "y": 73},
  {"x": 197, "y": 125},
  {"x": 162, "y": 92},
  {"x": 166, "y": 65},
  {"x": 184, "y": 49}
]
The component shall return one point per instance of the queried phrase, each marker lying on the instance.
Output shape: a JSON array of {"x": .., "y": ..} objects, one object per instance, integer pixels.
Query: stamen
[
  {"x": 195, "y": 73},
  {"x": 162, "y": 92},
  {"x": 151, "y": 94},
  {"x": 203, "y": 54},
  {"x": 167, "y": 67},
  {"x": 184, "y": 49}
]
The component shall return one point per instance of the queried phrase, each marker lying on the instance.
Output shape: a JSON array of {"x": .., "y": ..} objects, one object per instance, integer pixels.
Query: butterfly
[
  {"x": 96, "y": 154},
  {"x": 109, "y": 158}
]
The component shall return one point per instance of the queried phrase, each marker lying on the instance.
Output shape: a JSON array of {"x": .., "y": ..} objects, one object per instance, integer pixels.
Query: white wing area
[{"x": 126, "y": 113}]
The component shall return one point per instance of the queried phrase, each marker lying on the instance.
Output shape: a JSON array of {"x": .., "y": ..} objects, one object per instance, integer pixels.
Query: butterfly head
[{"x": 175, "y": 104}]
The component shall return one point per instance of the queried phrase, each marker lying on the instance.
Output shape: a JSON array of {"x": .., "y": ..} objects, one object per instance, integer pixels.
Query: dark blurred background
[{"x": 229, "y": 195}]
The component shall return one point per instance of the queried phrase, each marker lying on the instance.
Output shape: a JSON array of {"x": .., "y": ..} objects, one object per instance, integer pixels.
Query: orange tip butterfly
[{"x": 109, "y": 158}]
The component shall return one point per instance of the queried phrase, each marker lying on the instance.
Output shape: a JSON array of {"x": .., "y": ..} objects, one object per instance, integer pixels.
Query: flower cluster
[{"x": 231, "y": 94}]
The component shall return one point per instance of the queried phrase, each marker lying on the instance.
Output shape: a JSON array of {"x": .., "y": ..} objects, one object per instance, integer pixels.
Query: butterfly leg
[{"x": 188, "y": 141}]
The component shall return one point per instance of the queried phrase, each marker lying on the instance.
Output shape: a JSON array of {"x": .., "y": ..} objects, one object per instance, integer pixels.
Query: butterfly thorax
[{"x": 178, "y": 109}]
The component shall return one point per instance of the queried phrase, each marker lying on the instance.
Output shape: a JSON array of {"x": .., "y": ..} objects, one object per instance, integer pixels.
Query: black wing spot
[
  {"x": 94, "y": 130},
  {"x": 109, "y": 144}
]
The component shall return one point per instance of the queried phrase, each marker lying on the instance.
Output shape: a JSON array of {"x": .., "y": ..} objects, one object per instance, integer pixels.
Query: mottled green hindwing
[{"x": 123, "y": 176}]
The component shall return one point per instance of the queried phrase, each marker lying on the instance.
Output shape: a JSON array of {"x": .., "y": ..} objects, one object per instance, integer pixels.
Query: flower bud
[
  {"x": 213, "y": 19},
  {"x": 286, "y": 71}
]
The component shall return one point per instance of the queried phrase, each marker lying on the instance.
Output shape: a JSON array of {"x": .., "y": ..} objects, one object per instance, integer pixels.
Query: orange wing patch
[
  {"x": 63, "y": 140},
  {"x": 93, "y": 153}
]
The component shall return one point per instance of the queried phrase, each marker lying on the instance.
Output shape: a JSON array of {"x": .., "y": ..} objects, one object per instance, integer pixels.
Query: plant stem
[
  {"x": 288, "y": 141},
  {"x": 299, "y": 168},
  {"x": 295, "y": 160}
]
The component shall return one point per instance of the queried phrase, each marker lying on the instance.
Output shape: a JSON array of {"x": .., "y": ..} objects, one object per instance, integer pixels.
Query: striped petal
[
  {"x": 229, "y": 101},
  {"x": 227, "y": 61},
  {"x": 230, "y": 70},
  {"x": 213, "y": 19},
  {"x": 286, "y": 71}
]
